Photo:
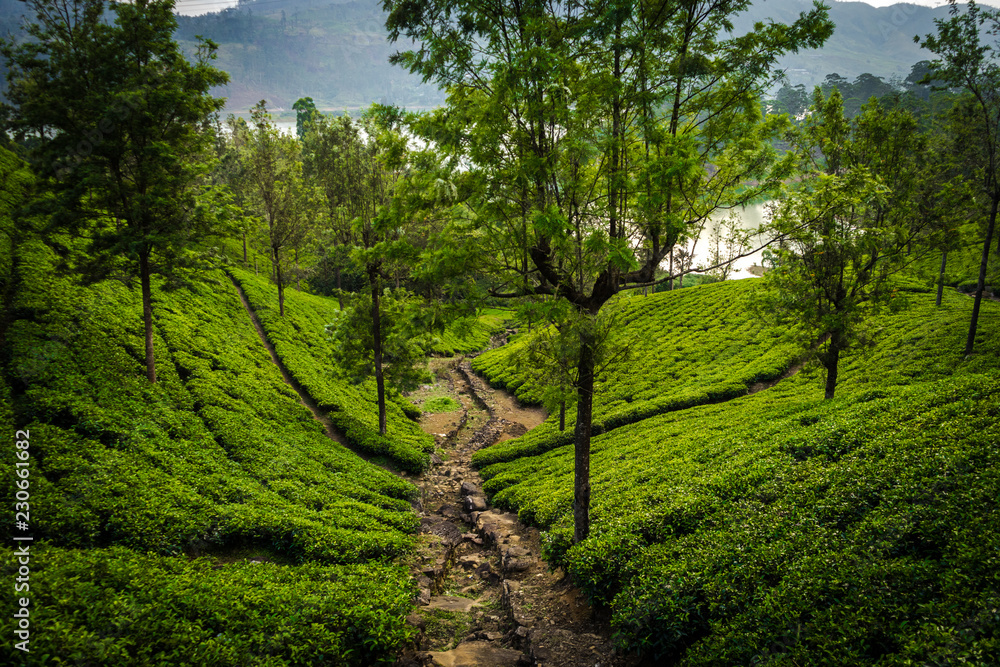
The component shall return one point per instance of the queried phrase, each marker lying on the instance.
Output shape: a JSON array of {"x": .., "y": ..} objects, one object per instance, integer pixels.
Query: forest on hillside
[{"x": 214, "y": 341}]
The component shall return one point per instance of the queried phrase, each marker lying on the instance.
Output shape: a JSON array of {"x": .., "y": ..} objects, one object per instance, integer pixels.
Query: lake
[{"x": 748, "y": 218}]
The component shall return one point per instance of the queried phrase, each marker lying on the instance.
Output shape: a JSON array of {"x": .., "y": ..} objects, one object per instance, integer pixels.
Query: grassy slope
[
  {"x": 782, "y": 529},
  {"x": 300, "y": 341},
  {"x": 705, "y": 349},
  {"x": 130, "y": 481},
  {"x": 962, "y": 268},
  {"x": 471, "y": 334}
]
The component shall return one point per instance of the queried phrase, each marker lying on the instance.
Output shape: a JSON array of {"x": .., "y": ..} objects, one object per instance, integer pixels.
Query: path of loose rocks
[{"x": 486, "y": 597}]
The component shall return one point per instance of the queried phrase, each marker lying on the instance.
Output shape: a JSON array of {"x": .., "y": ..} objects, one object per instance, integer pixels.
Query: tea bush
[
  {"x": 687, "y": 347},
  {"x": 300, "y": 340},
  {"x": 778, "y": 528},
  {"x": 115, "y": 606},
  {"x": 471, "y": 334},
  {"x": 130, "y": 479}
]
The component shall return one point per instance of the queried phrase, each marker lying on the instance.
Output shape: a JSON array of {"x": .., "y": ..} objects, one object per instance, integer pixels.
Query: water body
[{"x": 747, "y": 218}]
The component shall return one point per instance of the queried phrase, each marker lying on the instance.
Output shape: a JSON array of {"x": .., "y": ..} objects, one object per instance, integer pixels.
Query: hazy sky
[{"x": 195, "y": 7}]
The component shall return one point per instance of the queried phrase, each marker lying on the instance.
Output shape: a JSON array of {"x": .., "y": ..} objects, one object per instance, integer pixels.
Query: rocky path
[{"x": 486, "y": 597}]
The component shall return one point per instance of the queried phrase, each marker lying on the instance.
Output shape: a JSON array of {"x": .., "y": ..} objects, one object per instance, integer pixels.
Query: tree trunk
[
  {"x": 340, "y": 293},
  {"x": 245, "y": 262},
  {"x": 298, "y": 277},
  {"x": 279, "y": 280},
  {"x": 940, "y": 289},
  {"x": 831, "y": 361},
  {"x": 377, "y": 348},
  {"x": 147, "y": 314},
  {"x": 584, "y": 416},
  {"x": 981, "y": 285}
]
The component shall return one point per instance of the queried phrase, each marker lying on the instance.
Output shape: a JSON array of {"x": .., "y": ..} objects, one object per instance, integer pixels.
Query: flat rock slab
[
  {"x": 556, "y": 647},
  {"x": 476, "y": 654},
  {"x": 448, "y": 532},
  {"x": 451, "y": 603}
]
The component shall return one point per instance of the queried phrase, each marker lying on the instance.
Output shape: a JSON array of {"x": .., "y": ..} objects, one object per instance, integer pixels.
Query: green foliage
[
  {"x": 16, "y": 178},
  {"x": 778, "y": 527},
  {"x": 441, "y": 404},
  {"x": 114, "y": 118},
  {"x": 687, "y": 347},
  {"x": 470, "y": 334},
  {"x": 114, "y": 606},
  {"x": 301, "y": 343},
  {"x": 846, "y": 226},
  {"x": 305, "y": 114},
  {"x": 130, "y": 479},
  {"x": 402, "y": 349}
]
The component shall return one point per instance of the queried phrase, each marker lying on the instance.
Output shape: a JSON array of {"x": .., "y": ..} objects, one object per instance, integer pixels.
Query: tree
[
  {"x": 305, "y": 114},
  {"x": 362, "y": 167},
  {"x": 968, "y": 63},
  {"x": 325, "y": 149},
  {"x": 231, "y": 171},
  {"x": 846, "y": 226},
  {"x": 277, "y": 191},
  {"x": 792, "y": 100},
  {"x": 116, "y": 120},
  {"x": 388, "y": 349},
  {"x": 594, "y": 134}
]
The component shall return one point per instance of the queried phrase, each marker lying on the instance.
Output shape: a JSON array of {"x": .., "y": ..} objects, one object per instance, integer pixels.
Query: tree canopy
[
  {"x": 116, "y": 119},
  {"x": 595, "y": 136}
]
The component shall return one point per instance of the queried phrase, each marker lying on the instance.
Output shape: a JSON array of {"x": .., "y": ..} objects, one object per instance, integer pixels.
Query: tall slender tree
[
  {"x": 277, "y": 191},
  {"x": 847, "y": 224},
  {"x": 594, "y": 135},
  {"x": 367, "y": 161},
  {"x": 116, "y": 120},
  {"x": 967, "y": 61}
]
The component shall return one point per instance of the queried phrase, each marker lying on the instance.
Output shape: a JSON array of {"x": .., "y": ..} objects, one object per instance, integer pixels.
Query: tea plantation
[
  {"x": 301, "y": 343},
  {"x": 778, "y": 528},
  {"x": 705, "y": 347},
  {"x": 205, "y": 519}
]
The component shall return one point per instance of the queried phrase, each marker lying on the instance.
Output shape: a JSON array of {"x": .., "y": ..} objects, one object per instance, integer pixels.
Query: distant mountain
[
  {"x": 876, "y": 40},
  {"x": 337, "y": 52},
  {"x": 281, "y": 50}
]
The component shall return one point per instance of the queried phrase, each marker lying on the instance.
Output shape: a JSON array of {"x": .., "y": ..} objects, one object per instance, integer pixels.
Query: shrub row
[
  {"x": 116, "y": 607},
  {"x": 471, "y": 334},
  {"x": 217, "y": 457},
  {"x": 687, "y": 347},
  {"x": 299, "y": 338},
  {"x": 779, "y": 528}
]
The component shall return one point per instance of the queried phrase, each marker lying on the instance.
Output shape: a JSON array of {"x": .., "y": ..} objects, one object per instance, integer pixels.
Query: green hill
[
  {"x": 778, "y": 528},
  {"x": 205, "y": 518}
]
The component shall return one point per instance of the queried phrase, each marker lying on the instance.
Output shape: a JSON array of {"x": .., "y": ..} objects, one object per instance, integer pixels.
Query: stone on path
[
  {"x": 477, "y": 654},
  {"x": 451, "y": 603},
  {"x": 475, "y": 503}
]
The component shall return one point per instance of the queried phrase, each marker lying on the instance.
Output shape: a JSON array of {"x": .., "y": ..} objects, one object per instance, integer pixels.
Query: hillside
[
  {"x": 876, "y": 40},
  {"x": 737, "y": 517},
  {"x": 206, "y": 516},
  {"x": 337, "y": 52},
  {"x": 776, "y": 527}
]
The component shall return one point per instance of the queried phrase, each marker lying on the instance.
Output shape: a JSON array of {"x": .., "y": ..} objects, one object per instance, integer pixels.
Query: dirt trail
[{"x": 486, "y": 597}]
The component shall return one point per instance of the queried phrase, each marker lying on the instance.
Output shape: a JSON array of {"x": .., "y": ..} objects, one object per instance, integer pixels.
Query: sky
[{"x": 195, "y": 7}]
